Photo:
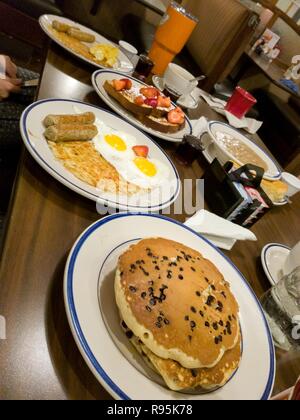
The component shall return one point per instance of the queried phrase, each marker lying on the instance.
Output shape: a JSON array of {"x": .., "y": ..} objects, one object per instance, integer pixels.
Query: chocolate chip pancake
[
  {"x": 179, "y": 378},
  {"x": 177, "y": 303}
]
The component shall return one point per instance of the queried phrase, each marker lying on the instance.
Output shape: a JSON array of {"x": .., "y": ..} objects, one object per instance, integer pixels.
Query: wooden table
[{"x": 39, "y": 359}]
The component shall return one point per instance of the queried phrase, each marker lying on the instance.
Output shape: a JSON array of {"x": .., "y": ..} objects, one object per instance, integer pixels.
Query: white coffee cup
[
  {"x": 130, "y": 51},
  {"x": 178, "y": 80},
  {"x": 293, "y": 183},
  {"x": 292, "y": 261}
]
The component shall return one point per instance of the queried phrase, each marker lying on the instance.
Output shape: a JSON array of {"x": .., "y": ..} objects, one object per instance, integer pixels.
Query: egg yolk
[
  {"x": 145, "y": 166},
  {"x": 116, "y": 142}
]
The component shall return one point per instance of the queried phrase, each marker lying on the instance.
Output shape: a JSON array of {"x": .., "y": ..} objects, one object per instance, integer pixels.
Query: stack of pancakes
[{"x": 178, "y": 311}]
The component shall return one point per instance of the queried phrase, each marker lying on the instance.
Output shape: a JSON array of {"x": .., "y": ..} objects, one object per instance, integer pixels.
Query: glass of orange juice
[{"x": 171, "y": 36}]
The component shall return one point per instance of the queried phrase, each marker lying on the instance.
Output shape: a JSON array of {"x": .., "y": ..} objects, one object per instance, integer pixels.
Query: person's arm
[{"x": 8, "y": 77}]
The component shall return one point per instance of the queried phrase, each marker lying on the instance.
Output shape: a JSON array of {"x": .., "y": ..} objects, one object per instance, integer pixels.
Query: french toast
[{"x": 146, "y": 108}]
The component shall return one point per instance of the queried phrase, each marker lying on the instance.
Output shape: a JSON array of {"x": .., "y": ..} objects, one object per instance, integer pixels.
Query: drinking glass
[
  {"x": 282, "y": 308},
  {"x": 143, "y": 68},
  {"x": 171, "y": 36},
  {"x": 240, "y": 103}
]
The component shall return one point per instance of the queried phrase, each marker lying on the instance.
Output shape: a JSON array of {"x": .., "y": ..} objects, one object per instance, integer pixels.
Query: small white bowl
[
  {"x": 130, "y": 51},
  {"x": 272, "y": 174},
  {"x": 293, "y": 182}
]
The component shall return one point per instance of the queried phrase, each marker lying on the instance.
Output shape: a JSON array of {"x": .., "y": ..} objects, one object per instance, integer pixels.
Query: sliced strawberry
[
  {"x": 141, "y": 151},
  {"x": 153, "y": 102},
  {"x": 150, "y": 92},
  {"x": 119, "y": 85},
  {"x": 128, "y": 83},
  {"x": 164, "y": 102},
  {"x": 139, "y": 100},
  {"x": 176, "y": 116}
]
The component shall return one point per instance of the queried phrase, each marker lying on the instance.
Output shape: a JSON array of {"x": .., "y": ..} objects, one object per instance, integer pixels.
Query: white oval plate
[
  {"x": 94, "y": 318},
  {"x": 124, "y": 64},
  {"x": 99, "y": 78},
  {"x": 273, "y": 173},
  {"x": 273, "y": 258},
  {"x": 32, "y": 129}
]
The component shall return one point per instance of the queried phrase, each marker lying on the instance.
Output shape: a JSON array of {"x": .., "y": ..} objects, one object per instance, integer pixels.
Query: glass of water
[{"x": 282, "y": 308}]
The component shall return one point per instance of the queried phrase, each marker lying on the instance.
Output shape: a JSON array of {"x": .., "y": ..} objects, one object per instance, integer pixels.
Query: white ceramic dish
[
  {"x": 293, "y": 183},
  {"x": 124, "y": 65},
  {"x": 95, "y": 323},
  {"x": 281, "y": 203},
  {"x": 32, "y": 130},
  {"x": 190, "y": 101},
  {"x": 273, "y": 258},
  {"x": 273, "y": 173},
  {"x": 99, "y": 78}
]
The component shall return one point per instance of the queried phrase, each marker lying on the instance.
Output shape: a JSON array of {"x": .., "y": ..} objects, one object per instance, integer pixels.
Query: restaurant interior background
[{"x": 225, "y": 64}]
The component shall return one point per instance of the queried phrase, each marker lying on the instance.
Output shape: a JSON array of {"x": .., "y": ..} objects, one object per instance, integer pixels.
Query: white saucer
[
  {"x": 190, "y": 101},
  {"x": 281, "y": 203},
  {"x": 273, "y": 257}
]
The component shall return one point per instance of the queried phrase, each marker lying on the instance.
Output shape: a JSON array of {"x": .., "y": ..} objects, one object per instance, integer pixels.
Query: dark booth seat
[
  {"x": 281, "y": 128},
  {"x": 35, "y": 8}
]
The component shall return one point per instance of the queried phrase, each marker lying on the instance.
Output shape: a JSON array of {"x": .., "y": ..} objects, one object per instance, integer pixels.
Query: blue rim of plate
[
  {"x": 75, "y": 320},
  {"x": 97, "y": 72},
  {"x": 275, "y": 177},
  {"x": 110, "y": 203},
  {"x": 264, "y": 253}
]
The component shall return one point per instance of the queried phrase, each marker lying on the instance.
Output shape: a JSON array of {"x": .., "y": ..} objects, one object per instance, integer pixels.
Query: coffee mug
[
  {"x": 178, "y": 80},
  {"x": 292, "y": 261},
  {"x": 293, "y": 183}
]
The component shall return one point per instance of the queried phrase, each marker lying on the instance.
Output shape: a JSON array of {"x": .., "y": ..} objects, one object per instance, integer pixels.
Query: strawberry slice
[
  {"x": 153, "y": 102},
  {"x": 164, "y": 102},
  {"x": 141, "y": 151},
  {"x": 119, "y": 85},
  {"x": 150, "y": 92},
  {"x": 176, "y": 116},
  {"x": 128, "y": 83},
  {"x": 139, "y": 100}
]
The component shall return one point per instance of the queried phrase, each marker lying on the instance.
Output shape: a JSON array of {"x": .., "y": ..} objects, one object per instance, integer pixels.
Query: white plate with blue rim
[
  {"x": 32, "y": 131},
  {"x": 123, "y": 64},
  {"x": 98, "y": 80},
  {"x": 213, "y": 148},
  {"x": 95, "y": 323},
  {"x": 273, "y": 258}
]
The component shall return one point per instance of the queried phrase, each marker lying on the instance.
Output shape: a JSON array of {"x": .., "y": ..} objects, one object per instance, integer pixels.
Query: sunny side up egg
[
  {"x": 147, "y": 173},
  {"x": 117, "y": 148},
  {"x": 113, "y": 145}
]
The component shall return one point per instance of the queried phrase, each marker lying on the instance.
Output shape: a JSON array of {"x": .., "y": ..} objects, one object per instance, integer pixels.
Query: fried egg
[
  {"x": 114, "y": 145},
  {"x": 145, "y": 173}
]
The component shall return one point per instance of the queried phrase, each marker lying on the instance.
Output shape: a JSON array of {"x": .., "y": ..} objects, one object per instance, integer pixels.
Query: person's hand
[
  {"x": 9, "y": 67},
  {"x": 8, "y": 86}
]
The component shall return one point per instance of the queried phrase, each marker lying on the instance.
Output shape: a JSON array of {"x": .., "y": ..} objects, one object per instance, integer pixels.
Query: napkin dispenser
[{"x": 236, "y": 195}]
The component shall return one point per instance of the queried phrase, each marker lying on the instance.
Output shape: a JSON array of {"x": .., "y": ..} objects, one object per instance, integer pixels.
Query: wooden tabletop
[
  {"x": 39, "y": 359},
  {"x": 273, "y": 71}
]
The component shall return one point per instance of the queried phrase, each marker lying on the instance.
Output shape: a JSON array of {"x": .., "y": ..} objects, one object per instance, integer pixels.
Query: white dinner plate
[
  {"x": 273, "y": 258},
  {"x": 213, "y": 150},
  {"x": 95, "y": 323},
  {"x": 123, "y": 65},
  {"x": 99, "y": 78},
  {"x": 32, "y": 130}
]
